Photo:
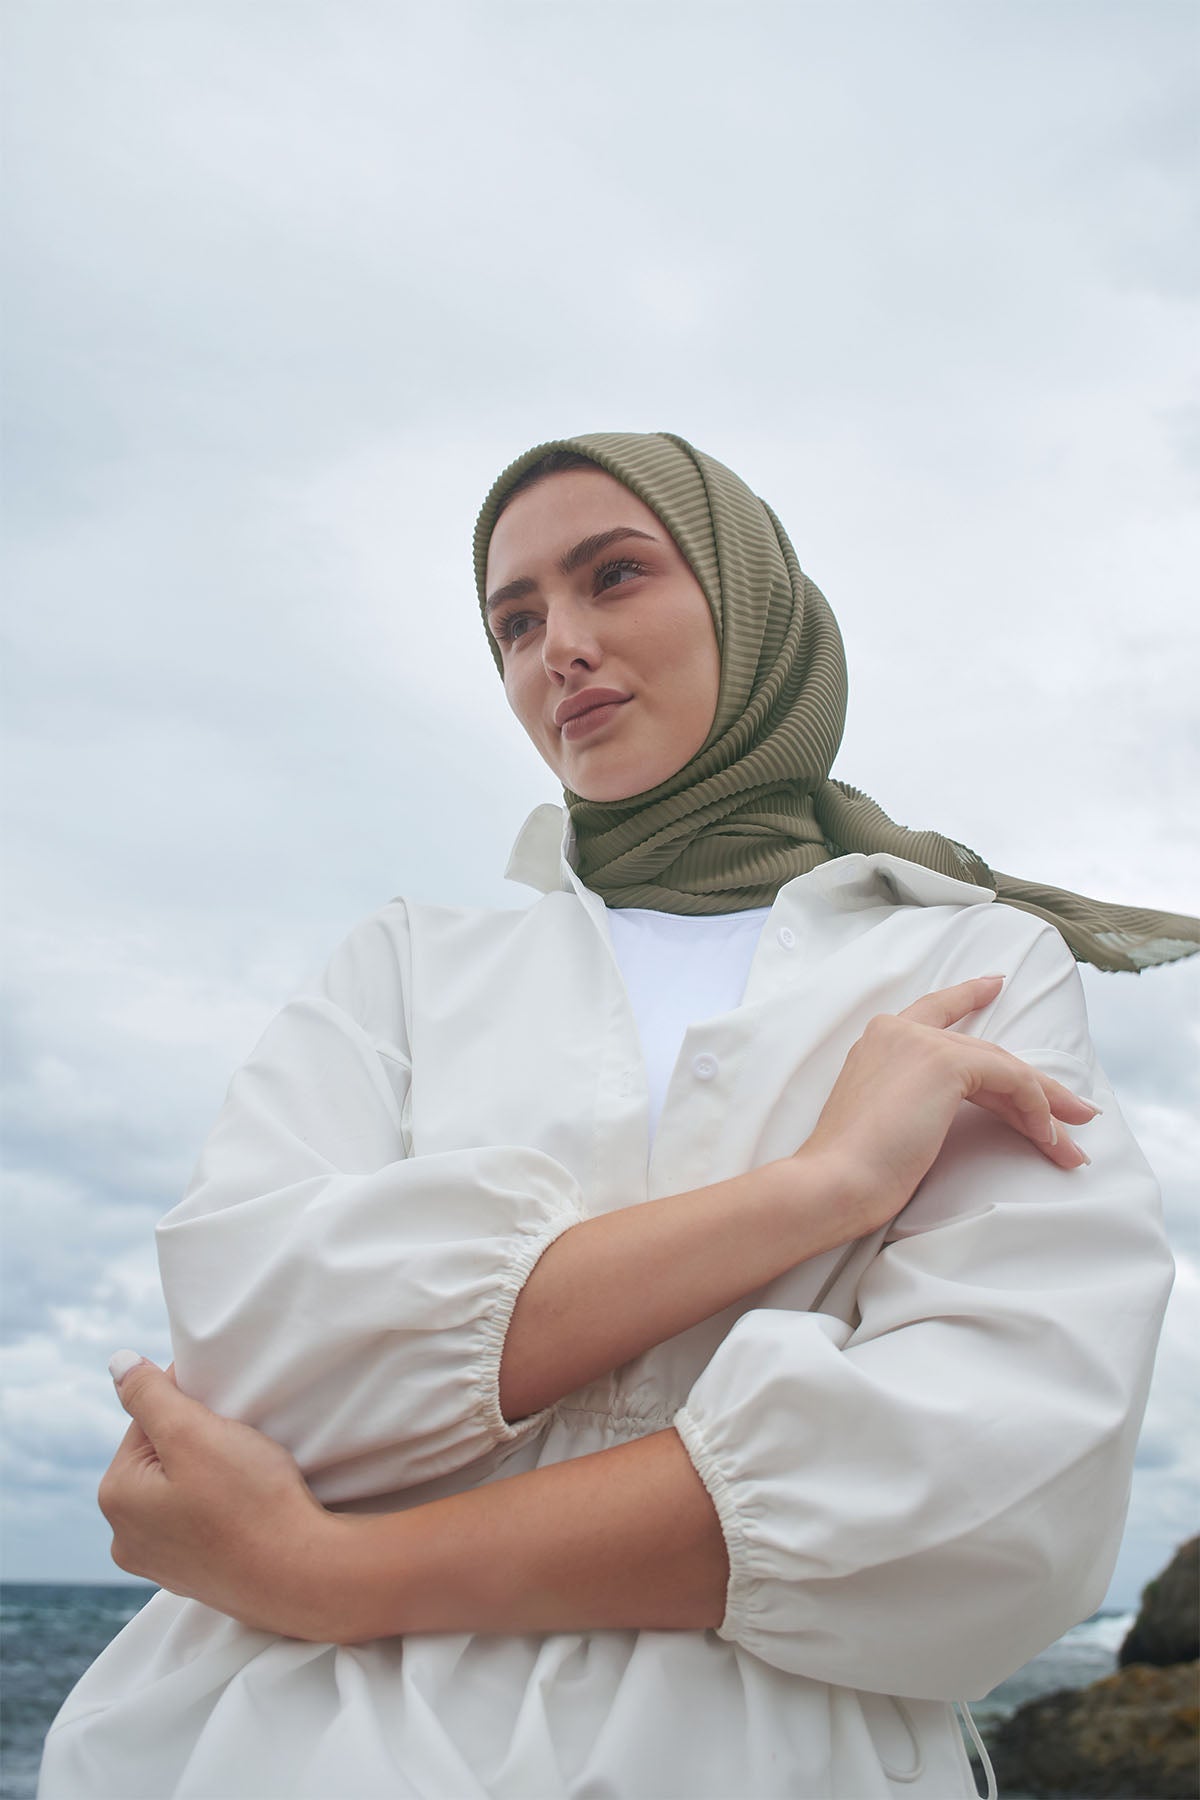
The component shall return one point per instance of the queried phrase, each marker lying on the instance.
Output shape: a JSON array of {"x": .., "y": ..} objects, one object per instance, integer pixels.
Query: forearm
[
  {"x": 626, "y": 1538},
  {"x": 614, "y": 1286},
  {"x": 611, "y": 1287}
]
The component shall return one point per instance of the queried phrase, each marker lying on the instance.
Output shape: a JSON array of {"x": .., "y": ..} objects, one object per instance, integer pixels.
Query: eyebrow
[{"x": 575, "y": 558}]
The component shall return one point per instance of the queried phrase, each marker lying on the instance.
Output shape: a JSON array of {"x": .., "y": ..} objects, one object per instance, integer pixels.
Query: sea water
[{"x": 49, "y": 1633}]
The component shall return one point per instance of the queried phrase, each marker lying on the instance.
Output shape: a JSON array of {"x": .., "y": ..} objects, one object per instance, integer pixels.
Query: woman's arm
[
  {"x": 394, "y": 1319},
  {"x": 918, "y": 1499},
  {"x": 913, "y": 1506},
  {"x": 537, "y": 1540},
  {"x": 212, "y": 1509},
  {"x": 611, "y": 1287}
]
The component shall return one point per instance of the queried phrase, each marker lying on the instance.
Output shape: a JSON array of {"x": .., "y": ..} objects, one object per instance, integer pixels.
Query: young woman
[{"x": 661, "y": 1342}]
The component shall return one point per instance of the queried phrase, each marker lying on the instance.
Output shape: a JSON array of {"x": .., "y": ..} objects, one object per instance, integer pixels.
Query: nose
[{"x": 568, "y": 640}]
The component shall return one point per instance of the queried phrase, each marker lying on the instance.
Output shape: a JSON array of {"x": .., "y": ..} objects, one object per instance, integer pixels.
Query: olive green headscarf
[{"x": 755, "y": 806}]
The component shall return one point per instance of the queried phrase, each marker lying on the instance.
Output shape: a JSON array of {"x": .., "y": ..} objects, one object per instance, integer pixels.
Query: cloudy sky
[{"x": 289, "y": 282}]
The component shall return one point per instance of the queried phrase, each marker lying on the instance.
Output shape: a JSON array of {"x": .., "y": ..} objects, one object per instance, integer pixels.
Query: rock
[
  {"x": 1132, "y": 1736},
  {"x": 1167, "y": 1628}
]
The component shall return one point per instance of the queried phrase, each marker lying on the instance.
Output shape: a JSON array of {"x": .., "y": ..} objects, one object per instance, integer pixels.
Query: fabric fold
[
  {"x": 951, "y": 1440},
  {"x": 347, "y": 1299}
]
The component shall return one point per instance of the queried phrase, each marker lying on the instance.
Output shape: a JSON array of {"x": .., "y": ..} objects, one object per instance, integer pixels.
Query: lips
[{"x": 588, "y": 700}]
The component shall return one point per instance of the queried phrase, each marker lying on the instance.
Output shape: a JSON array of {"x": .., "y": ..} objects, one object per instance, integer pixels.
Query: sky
[{"x": 288, "y": 284}]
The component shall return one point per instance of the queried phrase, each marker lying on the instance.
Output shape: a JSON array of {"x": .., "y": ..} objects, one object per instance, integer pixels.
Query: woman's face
[{"x": 609, "y": 651}]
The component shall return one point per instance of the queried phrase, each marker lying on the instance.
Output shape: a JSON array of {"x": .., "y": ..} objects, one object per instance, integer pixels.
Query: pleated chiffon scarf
[{"x": 756, "y": 805}]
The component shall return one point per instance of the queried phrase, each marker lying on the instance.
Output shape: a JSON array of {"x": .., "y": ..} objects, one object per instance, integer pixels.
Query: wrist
[
  {"x": 382, "y": 1575},
  {"x": 339, "y": 1594},
  {"x": 819, "y": 1197}
]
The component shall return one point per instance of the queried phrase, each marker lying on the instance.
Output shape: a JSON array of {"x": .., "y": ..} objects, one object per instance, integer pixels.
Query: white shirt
[{"x": 918, "y": 1446}]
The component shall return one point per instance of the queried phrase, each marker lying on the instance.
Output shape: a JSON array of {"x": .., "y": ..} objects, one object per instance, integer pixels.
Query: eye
[
  {"x": 622, "y": 565},
  {"x": 513, "y": 626}
]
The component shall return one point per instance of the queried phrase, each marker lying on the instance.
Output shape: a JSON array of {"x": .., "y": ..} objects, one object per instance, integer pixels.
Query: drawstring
[
  {"x": 964, "y": 1713},
  {"x": 918, "y": 1767}
]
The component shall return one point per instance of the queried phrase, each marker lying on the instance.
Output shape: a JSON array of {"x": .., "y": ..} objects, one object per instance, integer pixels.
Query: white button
[
  {"x": 787, "y": 937},
  {"x": 705, "y": 1067},
  {"x": 627, "y": 1083}
]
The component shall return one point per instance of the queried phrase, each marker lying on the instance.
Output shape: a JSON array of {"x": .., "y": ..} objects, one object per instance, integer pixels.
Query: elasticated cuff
[{"x": 528, "y": 1247}]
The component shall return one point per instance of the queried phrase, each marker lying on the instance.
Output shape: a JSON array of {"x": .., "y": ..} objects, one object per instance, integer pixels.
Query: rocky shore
[{"x": 1132, "y": 1735}]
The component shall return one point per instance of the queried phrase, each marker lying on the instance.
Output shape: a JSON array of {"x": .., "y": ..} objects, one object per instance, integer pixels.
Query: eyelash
[
  {"x": 626, "y": 564},
  {"x": 621, "y": 562}
]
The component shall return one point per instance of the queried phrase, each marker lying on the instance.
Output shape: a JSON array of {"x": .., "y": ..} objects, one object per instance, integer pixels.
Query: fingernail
[
  {"x": 1053, "y": 1137},
  {"x": 1084, "y": 1155},
  {"x": 120, "y": 1364},
  {"x": 1096, "y": 1110}
]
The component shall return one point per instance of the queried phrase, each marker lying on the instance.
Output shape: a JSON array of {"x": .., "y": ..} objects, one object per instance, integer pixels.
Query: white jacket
[{"x": 919, "y": 1446}]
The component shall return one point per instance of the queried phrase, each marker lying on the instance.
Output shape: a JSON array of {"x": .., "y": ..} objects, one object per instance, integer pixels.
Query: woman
[{"x": 684, "y": 1393}]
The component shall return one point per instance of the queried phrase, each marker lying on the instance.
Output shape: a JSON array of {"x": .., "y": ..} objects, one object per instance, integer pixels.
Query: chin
[{"x": 607, "y": 788}]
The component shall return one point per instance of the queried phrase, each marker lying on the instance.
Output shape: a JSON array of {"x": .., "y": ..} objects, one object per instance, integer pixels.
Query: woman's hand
[
  {"x": 900, "y": 1087},
  {"x": 212, "y": 1509},
  {"x": 622, "y": 1538},
  {"x": 613, "y": 1286}
]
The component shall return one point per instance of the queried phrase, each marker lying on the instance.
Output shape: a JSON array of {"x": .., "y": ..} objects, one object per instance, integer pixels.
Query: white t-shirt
[{"x": 679, "y": 970}]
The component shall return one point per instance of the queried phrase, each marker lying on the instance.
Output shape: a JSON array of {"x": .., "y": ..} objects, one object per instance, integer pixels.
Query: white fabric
[
  {"x": 677, "y": 970},
  {"x": 919, "y": 1446}
]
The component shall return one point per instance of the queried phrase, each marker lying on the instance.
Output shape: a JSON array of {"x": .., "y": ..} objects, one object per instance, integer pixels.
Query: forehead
[{"x": 547, "y": 519}]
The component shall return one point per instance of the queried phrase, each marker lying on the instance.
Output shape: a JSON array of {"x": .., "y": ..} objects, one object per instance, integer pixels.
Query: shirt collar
[
  {"x": 543, "y": 854},
  {"x": 543, "y": 857}
]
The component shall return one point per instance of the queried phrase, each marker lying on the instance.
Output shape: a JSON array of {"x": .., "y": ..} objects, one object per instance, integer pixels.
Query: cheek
[
  {"x": 702, "y": 681},
  {"x": 523, "y": 695},
  {"x": 689, "y": 649},
  {"x": 512, "y": 693}
]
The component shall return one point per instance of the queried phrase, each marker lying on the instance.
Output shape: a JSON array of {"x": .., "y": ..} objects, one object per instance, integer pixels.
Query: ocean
[{"x": 50, "y": 1633}]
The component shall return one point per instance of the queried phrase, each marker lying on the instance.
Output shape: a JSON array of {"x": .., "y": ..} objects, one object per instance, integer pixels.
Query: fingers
[
  {"x": 1066, "y": 1105},
  {"x": 120, "y": 1363},
  {"x": 1026, "y": 1100},
  {"x": 1062, "y": 1150},
  {"x": 130, "y": 1456},
  {"x": 948, "y": 1005},
  {"x": 149, "y": 1395},
  {"x": 1030, "y": 1103}
]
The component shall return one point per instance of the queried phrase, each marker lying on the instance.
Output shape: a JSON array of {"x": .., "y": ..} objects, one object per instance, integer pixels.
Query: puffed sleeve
[
  {"x": 920, "y": 1495},
  {"x": 346, "y": 1297}
]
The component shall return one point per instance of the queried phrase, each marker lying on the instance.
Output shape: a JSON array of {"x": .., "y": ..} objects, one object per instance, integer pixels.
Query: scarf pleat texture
[{"x": 756, "y": 805}]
